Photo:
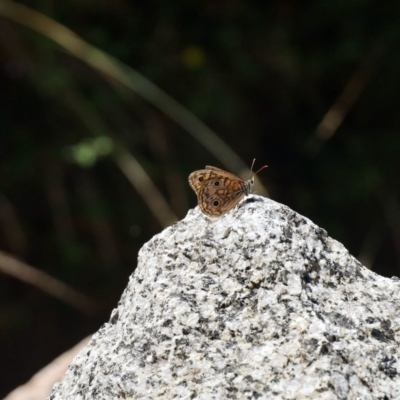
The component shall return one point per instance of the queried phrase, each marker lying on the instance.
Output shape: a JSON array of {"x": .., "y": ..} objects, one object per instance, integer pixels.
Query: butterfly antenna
[
  {"x": 252, "y": 165},
  {"x": 265, "y": 166}
]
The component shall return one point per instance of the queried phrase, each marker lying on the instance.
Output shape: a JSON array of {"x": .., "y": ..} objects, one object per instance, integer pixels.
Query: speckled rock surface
[{"x": 258, "y": 304}]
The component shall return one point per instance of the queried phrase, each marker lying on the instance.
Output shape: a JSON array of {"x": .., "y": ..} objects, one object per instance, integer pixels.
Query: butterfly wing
[{"x": 217, "y": 191}]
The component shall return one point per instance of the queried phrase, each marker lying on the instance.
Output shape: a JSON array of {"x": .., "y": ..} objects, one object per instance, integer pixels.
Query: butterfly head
[
  {"x": 250, "y": 182},
  {"x": 247, "y": 186}
]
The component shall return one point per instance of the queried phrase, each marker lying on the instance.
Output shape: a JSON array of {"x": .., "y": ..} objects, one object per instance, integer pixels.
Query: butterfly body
[{"x": 218, "y": 191}]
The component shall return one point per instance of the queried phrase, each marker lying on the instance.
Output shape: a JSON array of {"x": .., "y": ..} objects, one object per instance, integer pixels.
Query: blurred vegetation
[{"x": 94, "y": 154}]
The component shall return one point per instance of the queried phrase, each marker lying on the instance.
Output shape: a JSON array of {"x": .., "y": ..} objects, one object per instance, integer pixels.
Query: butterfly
[{"x": 218, "y": 191}]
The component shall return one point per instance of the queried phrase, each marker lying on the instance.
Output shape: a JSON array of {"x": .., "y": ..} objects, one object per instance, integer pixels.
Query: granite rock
[{"x": 257, "y": 304}]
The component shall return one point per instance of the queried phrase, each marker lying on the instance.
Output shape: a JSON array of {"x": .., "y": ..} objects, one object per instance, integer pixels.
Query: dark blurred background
[{"x": 310, "y": 88}]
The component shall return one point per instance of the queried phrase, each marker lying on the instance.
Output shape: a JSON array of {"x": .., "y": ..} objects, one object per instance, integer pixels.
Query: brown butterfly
[{"x": 219, "y": 191}]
